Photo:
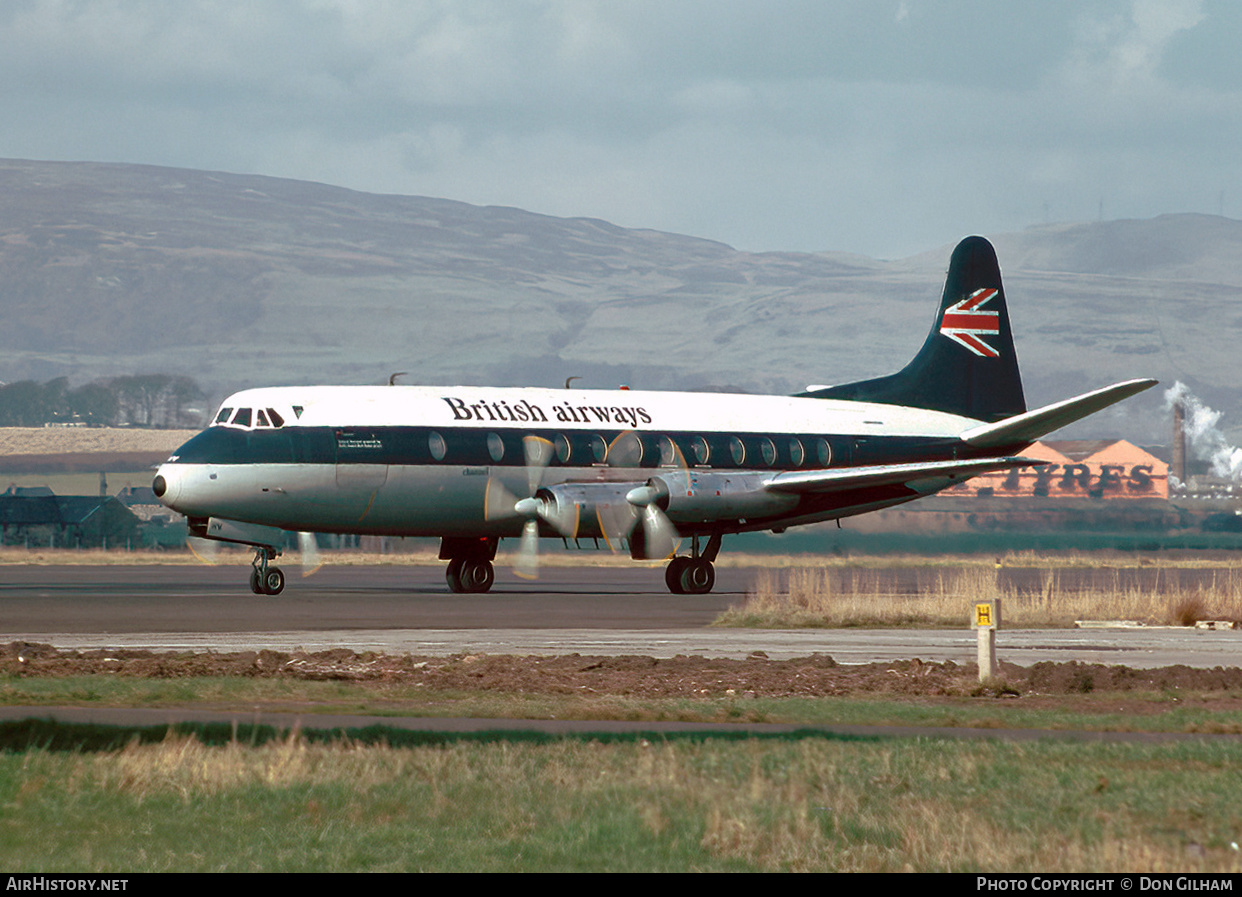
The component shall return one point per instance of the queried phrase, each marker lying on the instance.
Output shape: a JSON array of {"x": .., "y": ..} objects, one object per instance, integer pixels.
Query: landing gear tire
[
  {"x": 698, "y": 577},
  {"x": 256, "y": 582},
  {"x": 690, "y": 576},
  {"x": 673, "y": 573},
  {"x": 465, "y": 575},
  {"x": 479, "y": 576},
  {"x": 273, "y": 581},
  {"x": 453, "y": 575}
]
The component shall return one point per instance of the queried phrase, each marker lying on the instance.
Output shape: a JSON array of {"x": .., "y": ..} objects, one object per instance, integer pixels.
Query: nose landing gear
[{"x": 265, "y": 579}]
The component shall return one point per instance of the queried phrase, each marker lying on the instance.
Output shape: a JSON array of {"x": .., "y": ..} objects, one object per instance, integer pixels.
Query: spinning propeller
[
  {"x": 208, "y": 551},
  {"x": 642, "y": 503},
  {"x": 501, "y": 504},
  {"x": 308, "y": 548}
]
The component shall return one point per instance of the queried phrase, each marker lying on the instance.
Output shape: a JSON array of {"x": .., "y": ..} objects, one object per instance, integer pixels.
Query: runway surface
[{"x": 400, "y": 609}]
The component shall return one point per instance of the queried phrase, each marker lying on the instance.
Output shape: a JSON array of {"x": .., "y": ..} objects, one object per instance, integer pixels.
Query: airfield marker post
[{"x": 986, "y": 621}]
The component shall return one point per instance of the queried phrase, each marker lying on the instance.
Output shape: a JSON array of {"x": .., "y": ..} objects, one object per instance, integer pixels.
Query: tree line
[{"x": 141, "y": 400}]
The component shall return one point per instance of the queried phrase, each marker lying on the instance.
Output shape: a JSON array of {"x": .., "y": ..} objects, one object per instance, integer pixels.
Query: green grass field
[
  {"x": 80, "y": 798},
  {"x": 680, "y": 804}
]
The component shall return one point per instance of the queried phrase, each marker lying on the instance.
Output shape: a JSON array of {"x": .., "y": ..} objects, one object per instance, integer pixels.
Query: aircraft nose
[{"x": 165, "y": 486}]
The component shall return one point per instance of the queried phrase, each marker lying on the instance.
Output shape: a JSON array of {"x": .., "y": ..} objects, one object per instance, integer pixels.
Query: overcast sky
[{"x": 885, "y": 127}]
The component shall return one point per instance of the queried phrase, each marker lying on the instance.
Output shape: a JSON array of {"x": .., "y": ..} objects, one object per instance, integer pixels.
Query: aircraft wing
[
  {"x": 846, "y": 478},
  {"x": 1033, "y": 424}
]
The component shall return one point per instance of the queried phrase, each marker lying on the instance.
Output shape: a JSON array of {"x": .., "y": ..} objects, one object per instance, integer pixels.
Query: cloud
[
  {"x": 884, "y": 128},
  {"x": 1124, "y": 50}
]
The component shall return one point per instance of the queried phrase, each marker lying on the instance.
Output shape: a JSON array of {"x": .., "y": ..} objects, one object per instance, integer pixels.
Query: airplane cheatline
[{"x": 643, "y": 470}]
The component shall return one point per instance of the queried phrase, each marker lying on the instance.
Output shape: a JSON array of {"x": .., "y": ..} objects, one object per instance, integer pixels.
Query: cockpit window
[{"x": 247, "y": 417}]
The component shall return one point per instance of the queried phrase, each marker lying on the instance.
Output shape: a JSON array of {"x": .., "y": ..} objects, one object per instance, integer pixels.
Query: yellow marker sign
[{"x": 983, "y": 614}]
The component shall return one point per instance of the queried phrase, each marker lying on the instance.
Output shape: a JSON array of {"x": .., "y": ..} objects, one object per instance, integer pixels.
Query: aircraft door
[{"x": 361, "y": 459}]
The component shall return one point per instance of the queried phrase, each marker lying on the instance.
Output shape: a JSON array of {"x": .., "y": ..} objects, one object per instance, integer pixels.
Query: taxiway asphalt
[{"x": 585, "y": 610}]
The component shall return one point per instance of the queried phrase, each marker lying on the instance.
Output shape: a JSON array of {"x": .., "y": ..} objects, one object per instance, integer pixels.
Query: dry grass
[
  {"x": 88, "y": 440},
  {"x": 845, "y": 564},
  {"x": 832, "y": 597},
  {"x": 799, "y": 805}
]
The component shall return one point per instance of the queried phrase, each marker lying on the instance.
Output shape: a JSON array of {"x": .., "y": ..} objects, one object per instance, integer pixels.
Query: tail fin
[{"x": 967, "y": 366}]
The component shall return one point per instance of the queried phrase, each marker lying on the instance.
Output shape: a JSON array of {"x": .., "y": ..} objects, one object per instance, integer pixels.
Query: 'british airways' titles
[{"x": 527, "y": 412}]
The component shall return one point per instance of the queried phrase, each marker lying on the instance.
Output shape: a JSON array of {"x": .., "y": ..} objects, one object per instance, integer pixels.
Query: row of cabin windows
[
  {"x": 228, "y": 444},
  {"x": 631, "y": 450}
]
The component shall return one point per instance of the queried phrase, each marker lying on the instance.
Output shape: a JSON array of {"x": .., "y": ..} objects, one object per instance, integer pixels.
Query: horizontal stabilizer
[
  {"x": 1027, "y": 427},
  {"x": 846, "y": 478}
]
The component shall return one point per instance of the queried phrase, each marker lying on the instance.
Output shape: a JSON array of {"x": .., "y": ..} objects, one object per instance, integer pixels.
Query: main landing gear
[
  {"x": 470, "y": 567},
  {"x": 469, "y": 575},
  {"x": 693, "y": 575},
  {"x": 265, "y": 579}
]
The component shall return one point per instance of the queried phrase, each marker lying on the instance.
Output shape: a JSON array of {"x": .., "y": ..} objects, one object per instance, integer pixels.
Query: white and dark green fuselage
[{"x": 416, "y": 461}]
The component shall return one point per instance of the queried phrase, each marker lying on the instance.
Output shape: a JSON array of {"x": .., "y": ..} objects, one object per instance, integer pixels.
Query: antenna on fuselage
[
  {"x": 392, "y": 378},
  {"x": 569, "y": 380}
]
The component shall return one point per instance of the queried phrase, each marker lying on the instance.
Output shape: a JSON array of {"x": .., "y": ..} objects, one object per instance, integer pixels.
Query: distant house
[
  {"x": 64, "y": 520},
  {"x": 1102, "y": 469},
  {"x": 28, "y": 491}
]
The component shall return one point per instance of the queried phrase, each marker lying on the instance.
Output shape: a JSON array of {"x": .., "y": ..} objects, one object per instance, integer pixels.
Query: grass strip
[
  {"x": 1169, "y": 710},
  {"x": 694, "y": 803},
  {"x": 20, "y": 736}
]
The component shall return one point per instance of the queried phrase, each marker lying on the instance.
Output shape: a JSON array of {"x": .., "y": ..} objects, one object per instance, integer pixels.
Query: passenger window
[
  {"x": 797, "y": 454},
  {"x": 563, "y": 451},
  {"x": 824, "y": 451},
  {"x": 242, "y": 417},
  {"x": 599, "y": 449},
  {"x": 277, "y": 420},
  {"x": 223, "y": 416},
  {"x": 737, "y": 450},
  {"x": 768, "y": 450},
  {"x": 700, "y": 450},
  {"x": 436, "y": 445},
  {"x": 670, "y": 456},
  {"x": 495, "y": 446}
]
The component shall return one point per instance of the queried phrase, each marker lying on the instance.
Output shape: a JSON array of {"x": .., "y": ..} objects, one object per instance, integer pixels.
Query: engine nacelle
[
  {"x": 585, "y": 502},
  {"x": 690, "y": 496},
  {"x": 686, "y": 496}
]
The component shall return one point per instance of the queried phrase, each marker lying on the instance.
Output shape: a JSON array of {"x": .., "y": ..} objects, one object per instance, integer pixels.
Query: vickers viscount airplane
[{"x": 639, "y": 469}]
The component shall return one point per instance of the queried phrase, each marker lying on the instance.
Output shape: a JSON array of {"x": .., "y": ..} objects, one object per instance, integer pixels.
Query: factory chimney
[{"x": 1178, "y": 466}]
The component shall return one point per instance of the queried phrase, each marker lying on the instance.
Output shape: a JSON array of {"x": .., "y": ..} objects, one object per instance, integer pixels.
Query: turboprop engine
[
  {"x": 611, "y": 510},
  {"x": 689, "y": 496}
]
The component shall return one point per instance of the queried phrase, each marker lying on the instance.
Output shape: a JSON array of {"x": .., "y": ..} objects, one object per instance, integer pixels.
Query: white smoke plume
[{"x": 1203, "y": 436}]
